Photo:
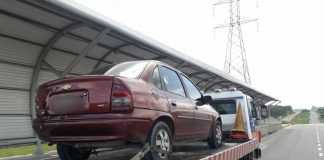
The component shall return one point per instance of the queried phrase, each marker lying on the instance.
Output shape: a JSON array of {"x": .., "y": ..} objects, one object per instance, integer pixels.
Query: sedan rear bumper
[{"x": 83, "y": 130}]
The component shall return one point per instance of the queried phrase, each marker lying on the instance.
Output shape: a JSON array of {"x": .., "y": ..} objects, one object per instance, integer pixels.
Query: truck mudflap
[{"x": 237, "y": 151}]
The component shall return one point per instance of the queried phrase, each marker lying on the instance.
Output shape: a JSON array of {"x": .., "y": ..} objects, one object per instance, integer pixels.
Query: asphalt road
[
  {"x": 313, "y": 117},
  {"x": 297, "y": 142}
]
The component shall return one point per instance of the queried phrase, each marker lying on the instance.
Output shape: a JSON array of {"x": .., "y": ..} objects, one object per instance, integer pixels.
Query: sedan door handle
[
  {"x": 173, "y": 103},
  {"x": 196, "y": 107}
]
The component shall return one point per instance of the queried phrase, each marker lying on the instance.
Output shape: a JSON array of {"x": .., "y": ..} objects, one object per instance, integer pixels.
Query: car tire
[
  {"x": 216, "y": 138},
  {"x": 66, "y": 152},
  {"x": 161, "y": 138}
]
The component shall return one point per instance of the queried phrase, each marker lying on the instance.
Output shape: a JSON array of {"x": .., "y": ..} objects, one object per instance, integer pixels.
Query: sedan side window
[
  {"x": 172, "y": 81},
  {"x": 156, "y": 78},
  {"x": 191, "y": 88}
]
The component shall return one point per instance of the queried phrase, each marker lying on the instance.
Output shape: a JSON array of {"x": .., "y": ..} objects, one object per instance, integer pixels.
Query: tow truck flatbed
[{"x": 184, "y": 151}]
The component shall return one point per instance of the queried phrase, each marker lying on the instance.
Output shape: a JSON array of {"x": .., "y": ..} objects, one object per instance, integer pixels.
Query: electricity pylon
[{"x": 235, "y": 59}]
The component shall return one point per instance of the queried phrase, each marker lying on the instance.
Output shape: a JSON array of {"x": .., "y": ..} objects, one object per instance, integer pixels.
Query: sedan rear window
[{"x": 128, "y": 69}]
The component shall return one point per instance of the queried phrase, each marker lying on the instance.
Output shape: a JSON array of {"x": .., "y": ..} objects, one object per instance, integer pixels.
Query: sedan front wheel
[{"x": 215, "y": 140}]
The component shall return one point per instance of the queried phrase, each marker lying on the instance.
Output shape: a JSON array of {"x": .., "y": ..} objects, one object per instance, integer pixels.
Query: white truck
[{"x": 239, "y": 124}]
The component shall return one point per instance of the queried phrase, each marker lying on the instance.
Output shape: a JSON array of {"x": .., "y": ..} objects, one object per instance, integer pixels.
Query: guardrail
[{"x": 268, "y": 128}]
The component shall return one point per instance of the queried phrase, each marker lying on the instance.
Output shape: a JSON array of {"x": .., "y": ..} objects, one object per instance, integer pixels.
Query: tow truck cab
[{"x": 227, "y": 103}]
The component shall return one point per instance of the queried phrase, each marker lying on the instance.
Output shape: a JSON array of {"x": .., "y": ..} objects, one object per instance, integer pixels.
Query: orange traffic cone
[{"x": 238, "y": 131}]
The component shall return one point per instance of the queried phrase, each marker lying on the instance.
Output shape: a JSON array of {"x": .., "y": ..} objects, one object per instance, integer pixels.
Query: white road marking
[{"x": 318, "y": 142}]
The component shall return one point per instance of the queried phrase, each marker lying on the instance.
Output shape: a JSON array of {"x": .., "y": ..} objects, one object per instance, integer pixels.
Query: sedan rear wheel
[
  {"x": 66, "y": 152},
  {"x": 160, "y": 138}
]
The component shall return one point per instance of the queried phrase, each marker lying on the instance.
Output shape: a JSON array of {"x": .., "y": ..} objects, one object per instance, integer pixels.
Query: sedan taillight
[{"x": 121, "y": 99}]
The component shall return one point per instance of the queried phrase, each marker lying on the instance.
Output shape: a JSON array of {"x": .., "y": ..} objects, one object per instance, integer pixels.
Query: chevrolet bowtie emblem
[{"x": 66, "y": 87}]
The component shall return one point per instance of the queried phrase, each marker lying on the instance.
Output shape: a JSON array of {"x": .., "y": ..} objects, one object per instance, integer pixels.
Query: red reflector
[{"x": 238, "y": 135}]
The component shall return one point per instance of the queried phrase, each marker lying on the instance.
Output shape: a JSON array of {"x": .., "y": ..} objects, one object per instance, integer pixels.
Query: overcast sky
[{"x": 285, "y": 57}]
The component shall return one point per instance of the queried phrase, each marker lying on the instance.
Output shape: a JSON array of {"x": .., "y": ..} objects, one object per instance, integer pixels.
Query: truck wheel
[
  {"x": 215, "y": 141},
  {"x": 66, "y": 152},
  {"x": 249, "y": 156},
  {"x": 161, "y": 138}
]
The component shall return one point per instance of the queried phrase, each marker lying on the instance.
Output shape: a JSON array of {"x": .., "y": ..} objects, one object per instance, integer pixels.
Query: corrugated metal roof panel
[
  {"x": 70, "y": 44},
  {"x": 14, "y": 102},
  {"x": 36, "y": 14},
  {"x": 85, "y": 32},
  {"x": 23, "y": 30},
  {"x": 45, "y": 76},
  {"x": 169, "y": 62},
  {"x": 138, "y": 52},
  {"x": 14, "y": 127},
  {"x": 97, "y": 52},
  {"x": 111, "y": 41},
  {"x": 18, "y": 52},
  {"x": 86, "y": 65},
  {"x": 12, "y": 76},
  {"x": 119, "y": 57},
  {"x": 61, "y": 60}
]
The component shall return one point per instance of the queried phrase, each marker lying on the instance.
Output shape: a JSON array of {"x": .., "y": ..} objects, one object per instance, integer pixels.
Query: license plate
[{"x": 66, "y": 103}]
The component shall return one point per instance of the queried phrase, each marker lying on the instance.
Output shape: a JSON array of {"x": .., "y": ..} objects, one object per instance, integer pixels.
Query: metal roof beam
[
  {"x": 51, "y": 68},
  {"x": 111, "y": 51},
  {"x": 206, "y": 80},
  {"x": 197, "y": 73},
  {"x": 214, "y": 84},
  {"x": 160, "y": 58},
  {"x": 181, "y": 65},
  {"x": 84, "y": 52}
]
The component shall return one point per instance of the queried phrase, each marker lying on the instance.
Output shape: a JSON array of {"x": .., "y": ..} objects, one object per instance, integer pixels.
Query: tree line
[{"x": 277, "y": 111}]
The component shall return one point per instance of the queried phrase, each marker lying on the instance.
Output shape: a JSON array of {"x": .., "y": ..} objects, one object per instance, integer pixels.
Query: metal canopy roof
[{"x": 75, "y": 40}]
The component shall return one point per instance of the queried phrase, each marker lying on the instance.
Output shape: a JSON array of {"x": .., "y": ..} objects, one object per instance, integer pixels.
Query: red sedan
[{"x": 138, "y": 101}]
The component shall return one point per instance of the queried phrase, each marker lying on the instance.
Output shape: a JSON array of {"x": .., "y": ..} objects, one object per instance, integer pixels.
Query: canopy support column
[{"x": 38, "y": 67}]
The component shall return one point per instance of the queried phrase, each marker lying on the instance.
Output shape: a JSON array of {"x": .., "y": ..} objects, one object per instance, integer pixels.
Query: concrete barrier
[{"x": 268, "y": 128}]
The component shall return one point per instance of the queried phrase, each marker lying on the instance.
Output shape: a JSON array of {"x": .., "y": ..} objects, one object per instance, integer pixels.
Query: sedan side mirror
[
  {"x": 264, "y": 112},
  {"x": 207, "y": 99}
]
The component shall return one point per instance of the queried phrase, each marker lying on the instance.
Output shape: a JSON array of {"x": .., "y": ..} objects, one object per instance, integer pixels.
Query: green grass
[
  {"x": 320, "y": 112},
  {"x": 285, "y": 122},
  {"x": 301, "y": 118},
  {"x": 23, "y": 150}
]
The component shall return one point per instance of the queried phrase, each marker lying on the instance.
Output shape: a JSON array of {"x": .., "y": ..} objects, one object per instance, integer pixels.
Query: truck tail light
[
  {"x": 121, "y": 99},
  {"x": 238, "y": 135}
]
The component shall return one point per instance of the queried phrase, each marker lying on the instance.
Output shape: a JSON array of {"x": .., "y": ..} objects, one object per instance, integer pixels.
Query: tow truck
[
  {"x": 241, "y": 138},
  {"x": 240, "y": 120}
]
